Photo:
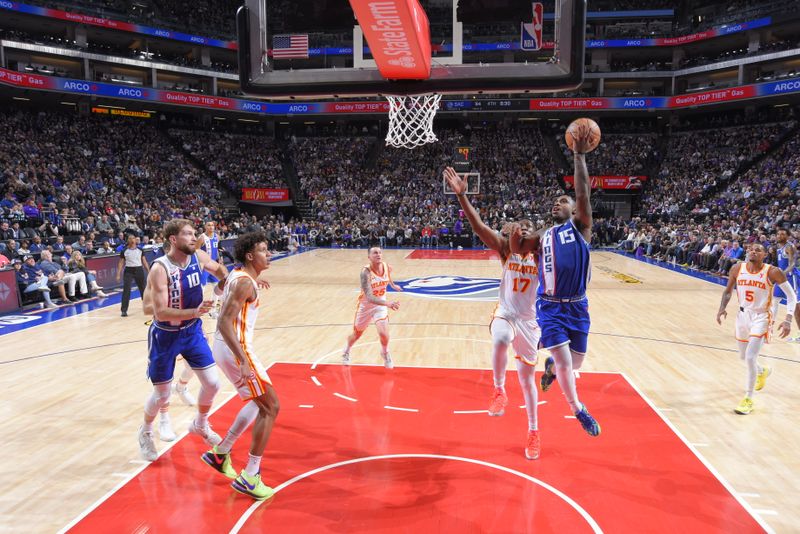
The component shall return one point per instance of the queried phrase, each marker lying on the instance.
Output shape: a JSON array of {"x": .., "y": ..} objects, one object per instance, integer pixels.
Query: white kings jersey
[
  {"x": 754, "y": 289},
  {"x": 518, "y": 287},
  {"x": 245, "y": 319},
  {"x": 377, "y": 284}
]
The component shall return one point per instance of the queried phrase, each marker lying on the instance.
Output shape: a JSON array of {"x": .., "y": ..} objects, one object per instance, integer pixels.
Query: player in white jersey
[
  {"x": 514, "y": 319},
  {"x": 373, "y": 307},
  {"x": 754, "y": 281},
  {"x": 233, "y": 352}
]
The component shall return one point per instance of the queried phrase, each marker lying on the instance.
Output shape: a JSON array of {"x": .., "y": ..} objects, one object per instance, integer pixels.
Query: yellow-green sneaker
[
  {"x": 220, "y": 462},
  {"x": 761, "y": 379},
  {"x": 252, "y": 486},
  {"x": 744, "y": 407}
]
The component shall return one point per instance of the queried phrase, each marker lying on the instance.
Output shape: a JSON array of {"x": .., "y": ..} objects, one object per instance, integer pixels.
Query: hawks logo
[{"x": 452, "y": 288}]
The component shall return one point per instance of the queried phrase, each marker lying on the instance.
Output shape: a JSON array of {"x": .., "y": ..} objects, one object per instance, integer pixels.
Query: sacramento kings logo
[{"x": 452, "y": 288}]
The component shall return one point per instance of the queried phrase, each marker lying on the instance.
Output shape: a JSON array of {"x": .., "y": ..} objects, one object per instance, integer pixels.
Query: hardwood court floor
[{"x": 70, "y": 416}]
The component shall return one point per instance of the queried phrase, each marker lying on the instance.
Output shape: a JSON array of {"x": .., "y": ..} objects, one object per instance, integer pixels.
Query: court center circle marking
[{"x": 564, "y": 497}]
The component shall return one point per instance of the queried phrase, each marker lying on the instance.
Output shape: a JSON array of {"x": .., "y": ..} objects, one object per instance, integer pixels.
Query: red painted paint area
[
  {"x": 449, "y": 254},
  {"x": 637, "y": 474}
]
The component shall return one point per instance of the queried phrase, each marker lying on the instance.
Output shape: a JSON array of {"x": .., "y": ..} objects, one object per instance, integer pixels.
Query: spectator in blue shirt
[
  {"x": 30, "y": 279},
  {"x": 8, "y": 201},
  {"x": 37, "y": 246},
  {"x": 58, "y": 246}
]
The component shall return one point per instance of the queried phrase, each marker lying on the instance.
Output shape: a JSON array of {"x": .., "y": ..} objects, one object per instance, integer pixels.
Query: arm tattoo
[{"x": 367, "y": 290}]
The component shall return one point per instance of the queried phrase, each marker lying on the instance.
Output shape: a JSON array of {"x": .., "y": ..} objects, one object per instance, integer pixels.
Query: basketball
[{"x": 578, "y": 126}]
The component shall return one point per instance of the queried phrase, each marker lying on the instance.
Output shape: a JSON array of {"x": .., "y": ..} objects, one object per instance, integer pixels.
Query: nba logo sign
[{"x": 531, "y": 33}]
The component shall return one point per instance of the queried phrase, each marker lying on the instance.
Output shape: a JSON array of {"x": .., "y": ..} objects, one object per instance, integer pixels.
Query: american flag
[{"x": 290, "y": 46}]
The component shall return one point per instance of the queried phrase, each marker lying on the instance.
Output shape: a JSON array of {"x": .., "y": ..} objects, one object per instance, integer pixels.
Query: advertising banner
[
  {"x": 91, "y": 20},
  {"x": 264, "y": 195},
  {"x": 9, "y": 293},
  {"x": 51, "y": 83},
  {"x": 610, "y": 182}
]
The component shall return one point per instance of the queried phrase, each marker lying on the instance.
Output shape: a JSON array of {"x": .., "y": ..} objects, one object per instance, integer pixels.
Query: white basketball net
[{"x": 411, "y": 120}]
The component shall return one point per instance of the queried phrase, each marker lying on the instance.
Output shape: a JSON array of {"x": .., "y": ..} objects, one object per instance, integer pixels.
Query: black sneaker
[{"x": 549, "y": 375}]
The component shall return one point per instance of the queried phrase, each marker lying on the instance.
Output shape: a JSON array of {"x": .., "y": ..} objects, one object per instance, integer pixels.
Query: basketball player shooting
[
  {"x": 564, "y": 264},
  {"x": 514, "y": 319}
]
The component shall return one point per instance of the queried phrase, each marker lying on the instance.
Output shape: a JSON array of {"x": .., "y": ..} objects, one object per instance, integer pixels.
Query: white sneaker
[
  {"x": 146, "y": 445},
  {"x": 101, "y": 294},
  {"x": 387, "y": 361},
  {"x": 165, "y": 432},
  {"x": 209, "y": 436},
  {"x": 346, "y": 358},
  {"x": 186, "y": 396}
]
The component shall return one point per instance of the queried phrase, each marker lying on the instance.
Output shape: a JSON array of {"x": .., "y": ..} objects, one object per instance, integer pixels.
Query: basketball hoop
[{"x": 411, "y": 120}]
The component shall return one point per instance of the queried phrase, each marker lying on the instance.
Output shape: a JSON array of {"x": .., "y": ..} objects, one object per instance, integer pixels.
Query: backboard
[{"x": 316, "y": 48}]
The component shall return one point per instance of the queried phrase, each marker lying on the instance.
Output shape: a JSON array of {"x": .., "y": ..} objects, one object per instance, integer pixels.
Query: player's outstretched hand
[
  {"x": 457, "y": 184},
  {"x": 263, "y": 283},
  {"x": 722, "y": 314},
  {"x": 204, "y": 308},
  {"x": 581, "y": 136},
  {"x": 784, "y": 329},
  {"x": 394, "y": 305},
  {"x": 396, "y": 287}
]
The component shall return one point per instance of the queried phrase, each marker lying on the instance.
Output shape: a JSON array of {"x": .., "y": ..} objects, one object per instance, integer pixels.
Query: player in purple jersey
[
  {"x": 177, "y": 300},
  {"x": 562, "y": 309}
]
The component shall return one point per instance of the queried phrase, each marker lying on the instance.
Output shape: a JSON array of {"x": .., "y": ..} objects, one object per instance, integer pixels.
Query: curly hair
[{"x": 246, "y": 243}]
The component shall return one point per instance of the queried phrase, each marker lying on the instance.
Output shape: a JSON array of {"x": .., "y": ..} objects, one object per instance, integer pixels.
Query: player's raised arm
[
  {"x": 728, "y": 292},
  {"x": 489, "y": 237},
  {"x": 583, "y": 206}
]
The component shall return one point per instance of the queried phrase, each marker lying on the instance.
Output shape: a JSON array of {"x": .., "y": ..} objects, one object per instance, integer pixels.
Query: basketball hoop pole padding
[{"x": 398, "y": 35}]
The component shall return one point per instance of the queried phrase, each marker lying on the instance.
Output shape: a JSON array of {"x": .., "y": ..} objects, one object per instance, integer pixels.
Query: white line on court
[
  {"x": 401, "y": 409},
  {"x": 345, "y": 397}
]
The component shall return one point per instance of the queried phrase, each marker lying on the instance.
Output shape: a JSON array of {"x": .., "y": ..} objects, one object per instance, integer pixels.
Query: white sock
[
  {"x": 244, "y": 419},
  {"x": 163, "y": 412},
  {"x": 147, "y": 427},
  {"x": 527, "y": 381},
  {"x": 253, "y": 465}
]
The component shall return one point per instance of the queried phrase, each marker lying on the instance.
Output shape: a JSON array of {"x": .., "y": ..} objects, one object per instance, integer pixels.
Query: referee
[{"x": 132, "y": 258}]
